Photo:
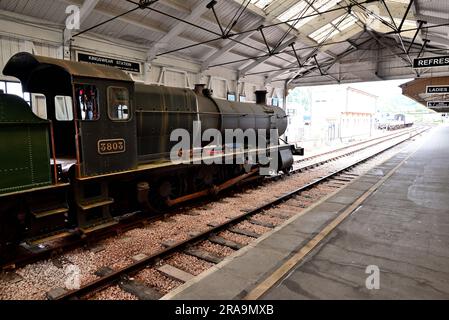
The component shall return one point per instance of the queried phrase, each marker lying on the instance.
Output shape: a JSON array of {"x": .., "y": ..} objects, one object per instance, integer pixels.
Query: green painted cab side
[{"x": 24, "y": 147}]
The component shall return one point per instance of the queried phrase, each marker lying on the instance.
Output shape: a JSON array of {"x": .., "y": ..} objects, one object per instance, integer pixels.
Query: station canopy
[{"x": 298, "y": 42}]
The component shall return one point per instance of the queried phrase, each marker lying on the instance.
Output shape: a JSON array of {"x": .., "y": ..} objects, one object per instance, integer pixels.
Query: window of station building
[
  {"x": 231, "y": 96},
  {"x": 118, "y": 103},
  {"x": 87, "y": 102},
  {"x": 275, "y": 102},
  {"x": 63, "y": 108},
  {"x": 242, "y": 98}
]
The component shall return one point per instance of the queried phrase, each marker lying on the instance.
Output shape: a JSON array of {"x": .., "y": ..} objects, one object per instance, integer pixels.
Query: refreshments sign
[{"x": 432, "y": 62}]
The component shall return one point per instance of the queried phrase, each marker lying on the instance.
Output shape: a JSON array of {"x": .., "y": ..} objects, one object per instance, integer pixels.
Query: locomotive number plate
[{"x": 111, "y": 146}]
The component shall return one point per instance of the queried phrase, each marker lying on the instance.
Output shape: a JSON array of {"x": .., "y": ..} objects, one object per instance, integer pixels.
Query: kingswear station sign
[{"x": 121, "y": 64}]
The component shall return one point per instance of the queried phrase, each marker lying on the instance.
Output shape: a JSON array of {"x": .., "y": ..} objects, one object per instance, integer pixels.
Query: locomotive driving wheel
[
  {"x": 205, "y": 178},
  {"x": 169, "y": 187}
]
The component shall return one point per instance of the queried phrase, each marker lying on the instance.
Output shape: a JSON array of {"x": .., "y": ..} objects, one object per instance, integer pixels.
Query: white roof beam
[
  {"x": 276, "y": 74},
  {"x": 272, "y": 18},
  {"x": 438, "y": 39},
  {"x": 259, "y": 61},
  {"x": 231, "y": 44},
  {"x": 431, "y": 19},
  {"x": 180, "y": 6},
  {"x": 387, "y": 46},
  {"x": 111, "y": 11},
  {"x": 176, "y": 30}
]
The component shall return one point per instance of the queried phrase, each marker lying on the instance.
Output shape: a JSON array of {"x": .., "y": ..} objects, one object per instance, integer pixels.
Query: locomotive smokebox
[{"x": 261, "y": 97}]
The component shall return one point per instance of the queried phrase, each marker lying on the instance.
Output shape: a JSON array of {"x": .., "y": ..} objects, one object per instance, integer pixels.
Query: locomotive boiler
[{"x": 103, "y": 151}]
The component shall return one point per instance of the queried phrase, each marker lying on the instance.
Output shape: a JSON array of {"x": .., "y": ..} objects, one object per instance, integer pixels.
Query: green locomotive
[{"x": 104, "y": 150}]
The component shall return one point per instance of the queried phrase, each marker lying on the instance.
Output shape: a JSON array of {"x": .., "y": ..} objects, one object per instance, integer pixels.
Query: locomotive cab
[{"x": 90, "y": 108}]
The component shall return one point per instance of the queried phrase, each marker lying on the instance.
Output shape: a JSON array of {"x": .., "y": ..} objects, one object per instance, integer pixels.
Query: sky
[
  {"x": 379, "y": 88},
  {"x": 385, "y": 88}
]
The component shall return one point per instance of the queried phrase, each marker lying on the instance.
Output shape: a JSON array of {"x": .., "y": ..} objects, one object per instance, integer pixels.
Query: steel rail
[{"x": 382, "y": 138}]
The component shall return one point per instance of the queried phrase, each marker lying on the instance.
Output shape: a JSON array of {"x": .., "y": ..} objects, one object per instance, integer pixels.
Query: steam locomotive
[{"x": 103, "y": 151}]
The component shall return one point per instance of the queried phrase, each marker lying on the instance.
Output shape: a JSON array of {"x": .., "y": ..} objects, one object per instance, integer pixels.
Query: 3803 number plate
[{"x": 111, "y": 146}]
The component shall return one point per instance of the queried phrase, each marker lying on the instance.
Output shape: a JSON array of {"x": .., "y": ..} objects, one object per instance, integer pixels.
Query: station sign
[
  {"x": 438, "y": 104},
  {"x": 120, "y": 64},
  {"x": 432, "y": 62},
  {"x": 437, "y": 89}
]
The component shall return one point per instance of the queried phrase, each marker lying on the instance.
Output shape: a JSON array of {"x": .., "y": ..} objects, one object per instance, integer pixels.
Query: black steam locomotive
[{"x": 103, "y": 151}]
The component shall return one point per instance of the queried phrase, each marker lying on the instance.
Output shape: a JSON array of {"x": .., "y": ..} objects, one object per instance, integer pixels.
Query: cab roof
[{"x": 23, "y": 64}]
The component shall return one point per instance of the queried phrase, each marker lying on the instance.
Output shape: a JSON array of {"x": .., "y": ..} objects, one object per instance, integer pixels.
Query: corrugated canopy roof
[{"x": 323, "y": 31}]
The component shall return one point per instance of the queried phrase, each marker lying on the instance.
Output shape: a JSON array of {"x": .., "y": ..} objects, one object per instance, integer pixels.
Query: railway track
[
  {"x": 274, "y": 208},
  {"x": 379, "y": 139},
  {"x": 45, "y": 250}
]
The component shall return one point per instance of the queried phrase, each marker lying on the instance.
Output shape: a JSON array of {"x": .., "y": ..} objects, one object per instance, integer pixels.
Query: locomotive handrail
[{"x": 205, "y": 113}]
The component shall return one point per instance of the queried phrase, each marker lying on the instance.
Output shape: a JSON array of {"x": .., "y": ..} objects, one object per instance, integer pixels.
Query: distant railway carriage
[
  {"x": 103, "y": 150},
  {"x": 395, "y": 122}
]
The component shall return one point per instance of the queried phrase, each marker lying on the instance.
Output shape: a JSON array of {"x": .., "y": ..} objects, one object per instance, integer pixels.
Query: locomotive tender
[{"x": 103, "y": 151}]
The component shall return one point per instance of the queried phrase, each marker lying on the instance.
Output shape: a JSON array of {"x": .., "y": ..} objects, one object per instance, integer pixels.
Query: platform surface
[{"x": 402, "y": 229}]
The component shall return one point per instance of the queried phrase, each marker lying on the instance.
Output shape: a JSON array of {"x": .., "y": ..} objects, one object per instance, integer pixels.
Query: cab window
[
  {"x": 87, "y": 102},
  {"x": 39, "y": 105},
  {"x": 118, "y": 103},
  {"x": 63, "y": 108}
]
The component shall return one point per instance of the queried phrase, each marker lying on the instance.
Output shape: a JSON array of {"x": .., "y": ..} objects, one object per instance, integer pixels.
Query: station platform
[{"x": 394, "y": 218}]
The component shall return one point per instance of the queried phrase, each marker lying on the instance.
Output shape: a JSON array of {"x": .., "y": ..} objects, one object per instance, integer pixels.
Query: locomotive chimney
[
  {"x": 199, "y": 89},
  {"x": 207, "y": 93},
  {"x": 261, "y": 97}
]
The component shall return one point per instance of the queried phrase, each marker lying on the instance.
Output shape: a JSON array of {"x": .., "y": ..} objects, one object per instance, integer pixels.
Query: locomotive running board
[
  {"x": 158, "y": 164},
  {"x": 33, "y": 244},
  {"x": 90, "y": 229},
  {"x": 52, "y": 186},
  {"x": 217, "y": 189}
]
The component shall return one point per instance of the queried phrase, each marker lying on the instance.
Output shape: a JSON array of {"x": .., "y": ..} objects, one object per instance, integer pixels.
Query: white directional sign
[
  {"x": 437, "y": 89},
  {"x": 438, "y": 104}
]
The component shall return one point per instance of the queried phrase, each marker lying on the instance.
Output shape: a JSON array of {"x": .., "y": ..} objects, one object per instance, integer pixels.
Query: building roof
[{"x": 416, "y": 90}]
